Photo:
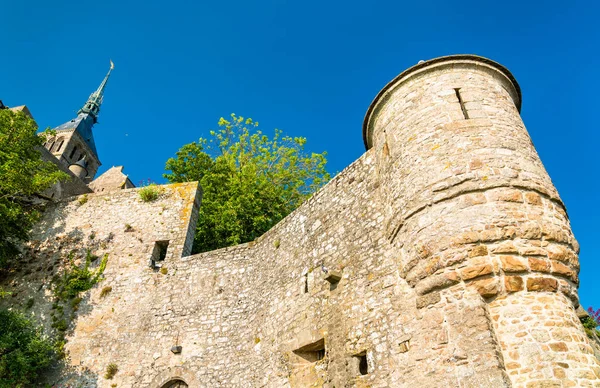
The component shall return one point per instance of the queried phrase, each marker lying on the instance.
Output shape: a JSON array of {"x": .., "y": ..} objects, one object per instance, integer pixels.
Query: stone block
[
  {"x": 487, "y": 288},
  {"x": 538, "y": 264},
  {"x": 428, "y": 299},
  {"x": 479, "y": 250},
  {"x": 513, "y": 264},
  {"x": 513, "y": 283},
  {"x": 476, "y": 271},
  {"x": 542, "y": 284}
]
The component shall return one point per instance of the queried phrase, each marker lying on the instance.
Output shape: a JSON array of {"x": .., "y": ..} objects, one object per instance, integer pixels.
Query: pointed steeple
[
  {"x": 75, "y": 139},
  {"x": 92, "y": 106}
]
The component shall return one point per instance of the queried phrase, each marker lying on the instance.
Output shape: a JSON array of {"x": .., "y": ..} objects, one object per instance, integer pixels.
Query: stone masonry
[{"x": 442, "y": 257}]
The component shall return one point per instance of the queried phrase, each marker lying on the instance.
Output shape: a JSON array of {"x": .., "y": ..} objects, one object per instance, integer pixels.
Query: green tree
[
  {"x": 22, "y": 174},
  {"x": 24, "y": 351},
  {"x": 249, "y": 181}
]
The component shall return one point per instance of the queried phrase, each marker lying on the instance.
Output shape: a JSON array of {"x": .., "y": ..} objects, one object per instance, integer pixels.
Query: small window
[
  {"x": 361, "y": 364},
  {"x": 334, "y": 279},
  {"x": 312, "y": 352},
  {"x": 159, "y": 253}
]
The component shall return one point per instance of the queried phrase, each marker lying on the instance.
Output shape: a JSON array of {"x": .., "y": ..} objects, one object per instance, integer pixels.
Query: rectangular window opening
[
  {"x": 462, "y": 104},
  {"x": 159, "y": 253},
  {"x": 334, "y": 279},
  {"x": 312, "y": 352}
]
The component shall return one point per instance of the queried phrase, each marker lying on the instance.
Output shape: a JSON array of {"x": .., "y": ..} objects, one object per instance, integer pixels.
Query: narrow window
[
  {"x": 159, "y": 253},
  {"x": 312, "y": 352},
  {"x": 73, "y": 152},
  {"x": 462, "y": 104},
  {"x": 50, "y": 144},
  {"x": 60, "y": 146},
  {"x": 306, "y": 283}
]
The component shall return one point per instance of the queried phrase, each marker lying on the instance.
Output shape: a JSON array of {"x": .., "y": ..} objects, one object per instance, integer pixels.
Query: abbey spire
[
  {"x": 92, "y": 106},
  {"x": 74, "y": 140}
]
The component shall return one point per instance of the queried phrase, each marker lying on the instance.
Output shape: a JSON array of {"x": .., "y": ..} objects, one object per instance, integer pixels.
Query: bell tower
[{"x": 74, "y": 142}]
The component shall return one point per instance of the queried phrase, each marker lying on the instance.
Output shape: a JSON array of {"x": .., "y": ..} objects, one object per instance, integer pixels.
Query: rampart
[{"x": 441, "y": 257}]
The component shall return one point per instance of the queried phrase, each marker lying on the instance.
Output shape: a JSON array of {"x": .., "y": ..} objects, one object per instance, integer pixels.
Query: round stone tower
[{"x": 469, "y": 206}]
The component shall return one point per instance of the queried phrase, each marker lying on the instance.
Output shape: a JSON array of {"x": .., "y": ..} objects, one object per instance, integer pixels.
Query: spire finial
[{"x": 92, "y": 106}]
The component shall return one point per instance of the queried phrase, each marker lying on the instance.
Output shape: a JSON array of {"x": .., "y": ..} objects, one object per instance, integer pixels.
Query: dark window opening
[
  {"x": 312, "y": 352},
  {"x": 175, "y": 384},
  {"x": 361, "y": 363},
  {"x": 159, "y": 253},
  {"x": 404, "y": 346},
  {"x": 462, "y": 104},
  {"x": 305, "y": 283},
  {"x": 334, "y": 279},
  {"x": 60, "y": 146},
  {"x": 73, "y": 152}
]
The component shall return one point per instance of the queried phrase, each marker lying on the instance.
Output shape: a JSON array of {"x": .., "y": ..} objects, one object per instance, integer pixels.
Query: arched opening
[
  {"x": 73, "y": 153},
  {"x": 59, "y": 145},
  {"x": 177, "y": 383}
]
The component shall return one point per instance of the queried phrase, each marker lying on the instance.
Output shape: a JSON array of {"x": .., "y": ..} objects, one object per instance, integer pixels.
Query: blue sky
[{"x": 310, "y": 68}]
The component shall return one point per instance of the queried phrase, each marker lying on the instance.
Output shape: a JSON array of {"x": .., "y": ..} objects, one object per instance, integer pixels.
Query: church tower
[{"x": 74, "y": 142}]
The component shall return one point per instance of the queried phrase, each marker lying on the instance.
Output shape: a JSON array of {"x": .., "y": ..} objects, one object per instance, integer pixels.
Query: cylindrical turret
[{"x": 469, "y": 204}]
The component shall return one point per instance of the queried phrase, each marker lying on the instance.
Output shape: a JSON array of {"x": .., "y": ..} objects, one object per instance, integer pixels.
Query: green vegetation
[
  {"x": 79, "y": 279},
  {"x": 149, "y": 193},
  {"x": 249, "y": 181},
  {"x": 111, "y": 371},
  {"x": 24, "y": 351},
  {"x": 83, "y": 199},
  {"x": 22, "y": 173}
]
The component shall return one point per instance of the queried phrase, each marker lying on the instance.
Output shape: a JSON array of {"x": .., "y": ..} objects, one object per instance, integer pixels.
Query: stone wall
[{"x": 442, "y": 257}]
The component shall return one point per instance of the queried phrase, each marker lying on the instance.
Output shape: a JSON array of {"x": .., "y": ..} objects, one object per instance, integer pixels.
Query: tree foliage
[
  {"x": 249, "y": 181},
  {"x": 22, "y": 174},
  {"x": 24, "y": 351}
]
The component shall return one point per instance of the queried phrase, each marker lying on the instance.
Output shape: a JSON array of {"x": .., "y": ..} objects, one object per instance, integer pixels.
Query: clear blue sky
[{"x": 310, "y": 68}]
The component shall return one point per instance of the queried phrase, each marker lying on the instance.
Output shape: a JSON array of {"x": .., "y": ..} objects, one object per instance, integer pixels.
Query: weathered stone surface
[
  {"x": 422, "y": 232},
  {"x": 487, "y": 287},
  {"x": 513, "y": 283},
  {"x": 542, "y": 284},
  {"x": 513, "y": 264}
]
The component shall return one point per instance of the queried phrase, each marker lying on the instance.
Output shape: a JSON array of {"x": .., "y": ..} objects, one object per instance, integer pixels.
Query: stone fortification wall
[
  {"x": 119, "y": 225},
  {"x": 442, "y": 257}
]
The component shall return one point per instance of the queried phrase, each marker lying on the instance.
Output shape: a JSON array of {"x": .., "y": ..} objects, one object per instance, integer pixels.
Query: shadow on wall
[{"x": 50, "y": 287}]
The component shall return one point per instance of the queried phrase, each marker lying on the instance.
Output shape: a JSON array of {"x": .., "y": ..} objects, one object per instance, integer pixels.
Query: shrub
[
  {"x": 79, "y": 279},
  {"x": 149, "y": 193},
  {"x": 25, "y": 351},
  {"x": 83, "y": 199},
  {"x": 111, "y": 371}
]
